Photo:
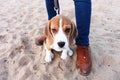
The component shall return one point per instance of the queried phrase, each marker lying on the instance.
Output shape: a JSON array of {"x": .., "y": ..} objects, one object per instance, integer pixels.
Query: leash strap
[{"x": 56, "y": 8}]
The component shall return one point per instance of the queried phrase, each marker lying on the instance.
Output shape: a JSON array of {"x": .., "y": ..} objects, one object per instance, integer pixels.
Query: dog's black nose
[{"x": 61, "y": 44}]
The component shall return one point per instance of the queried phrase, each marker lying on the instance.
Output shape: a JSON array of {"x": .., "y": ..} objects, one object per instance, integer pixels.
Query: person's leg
[
  {"x": 83, "y": 15},
  {"x": 50, "y": 8}
]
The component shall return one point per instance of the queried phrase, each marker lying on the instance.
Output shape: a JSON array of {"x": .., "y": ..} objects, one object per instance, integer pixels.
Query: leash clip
[{"x": 56, "y": 10}]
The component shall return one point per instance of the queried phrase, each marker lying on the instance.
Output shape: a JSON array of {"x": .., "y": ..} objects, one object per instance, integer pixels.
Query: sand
[{"x": 21, "y": 21}]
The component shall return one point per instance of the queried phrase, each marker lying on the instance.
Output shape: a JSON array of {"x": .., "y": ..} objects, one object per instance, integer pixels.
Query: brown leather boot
[
  {"x": 39, "y": 41},
  {"x": 84, "y": 62}
]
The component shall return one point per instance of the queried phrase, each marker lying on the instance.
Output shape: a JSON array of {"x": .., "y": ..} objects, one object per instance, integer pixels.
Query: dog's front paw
[
  {"x": 70, "y": 52},
  {"x": 48, "y": 59},
  {"x": 49, "y": 56},
  {"x": 52, "y": 55},
  {"x": 64, "y": 55}
]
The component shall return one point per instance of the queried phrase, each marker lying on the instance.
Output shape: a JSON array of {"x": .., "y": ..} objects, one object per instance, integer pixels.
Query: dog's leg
[
  {"x": 49, "y": 55},
  {"x": 64, "y": 54},
  {"x": 70, "y": 52}
]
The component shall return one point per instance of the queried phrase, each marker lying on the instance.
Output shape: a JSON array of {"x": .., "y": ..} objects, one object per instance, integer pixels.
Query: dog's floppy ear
[
  {"x": 47, "y": 30},
  {"x": 73, "y": 33}
]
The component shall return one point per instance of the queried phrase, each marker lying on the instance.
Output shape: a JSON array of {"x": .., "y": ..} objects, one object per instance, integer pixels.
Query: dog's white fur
[{"x": 59, "y": 37}]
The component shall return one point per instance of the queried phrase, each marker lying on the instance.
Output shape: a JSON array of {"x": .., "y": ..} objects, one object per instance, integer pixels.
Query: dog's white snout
[{"x": 61, "y": 44}]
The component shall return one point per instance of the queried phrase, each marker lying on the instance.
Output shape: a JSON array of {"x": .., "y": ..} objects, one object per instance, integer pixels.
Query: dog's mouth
[{"x": 53, "y": 50}]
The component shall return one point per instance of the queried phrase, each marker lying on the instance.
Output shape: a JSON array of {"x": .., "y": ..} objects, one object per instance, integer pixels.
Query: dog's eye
[
  {"x": 54, "y": 30},
  {"x": 67, "y": 30}
]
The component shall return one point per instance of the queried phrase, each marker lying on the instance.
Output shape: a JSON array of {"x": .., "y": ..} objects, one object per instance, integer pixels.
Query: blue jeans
[{"x": 83, "y": 17}]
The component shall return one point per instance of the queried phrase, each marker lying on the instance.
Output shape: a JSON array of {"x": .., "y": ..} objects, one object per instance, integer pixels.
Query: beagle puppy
[{"x": 60, "y": 33}]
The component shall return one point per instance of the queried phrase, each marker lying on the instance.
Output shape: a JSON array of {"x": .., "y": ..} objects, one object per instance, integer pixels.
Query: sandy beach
[{"x": 22, "y": 21}]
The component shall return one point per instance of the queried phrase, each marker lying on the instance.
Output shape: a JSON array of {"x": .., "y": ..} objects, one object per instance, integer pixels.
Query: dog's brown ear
[
  {"x": 75, "y": 31},
  {"x": 47, "y": 31},
  {"x": 73, "y": 34}
]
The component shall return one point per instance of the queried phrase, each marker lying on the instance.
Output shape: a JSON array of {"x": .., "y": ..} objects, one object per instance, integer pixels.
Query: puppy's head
[{"x": 60, "y": 32}]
